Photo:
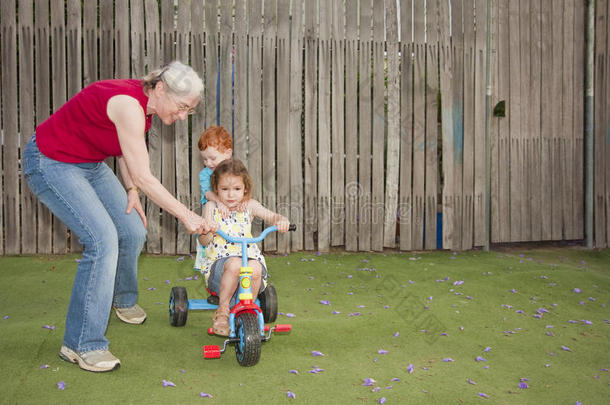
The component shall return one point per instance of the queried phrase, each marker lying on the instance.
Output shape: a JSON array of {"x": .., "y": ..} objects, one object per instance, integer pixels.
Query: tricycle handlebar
[{"x": 259, "y": 238}]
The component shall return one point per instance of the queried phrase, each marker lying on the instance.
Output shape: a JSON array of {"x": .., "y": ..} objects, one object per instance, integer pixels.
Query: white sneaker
[
  {"x": 95, "y": 360},
  {"x": 134, "y": 315}
]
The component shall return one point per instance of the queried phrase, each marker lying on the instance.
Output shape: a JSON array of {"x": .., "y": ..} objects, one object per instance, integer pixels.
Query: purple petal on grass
[
  {"x": 469, "y": 381},
  {"x": 396, "y": 379},
  {"x": 189, "y": 278},
  {"x": 151, "y": 288},
  {"x": 410, "y": 368},
  {"x": 316, "y": 353},
  {"x": 375, "y": 389},
  {"x": 183, "y": 371},
  {"x": 483, "y": 395},
  {"x": 578, "y": 403},
  {"x": 382, "y": 351},
  {"x": 44, "y": 366},
  {"x": 447, "y": 360},
  {"x": 354, "y": 314},
  {"x": 479, "y": 358},
  {"x": 577, "y": 290},
  {"x": 167, "y": 383},
  {"x": 586, "y": 322},
  {"x": 487, "y": 349},
  {"x": 290, "y": 394},
  {"x": 396, "y": 334},
  {"x": 6, "y": 316},
  {"x": 411, "y": 282},
  {"x": 566, "y": 348},
  {"x": 316, "y": 370},
  {"x": 61, "y": 385},
  {"x": 335, "y": 312},
  {"x": 166, "y": 281},
  {"x": 604, "y": 369},
  {"x": 369, "y": 382},
  {"x": 181, "y": 258},
  {"x": 205, "y": 395},
  {"x": 523, "y": 385},
  {"x": 78, "y": 260},
  {"x": 293, "y": 372},
  {"x": 325, "y": 302},
  {"x": 290, "y": 315},
  {"x": 381, "y": 400},
  {"x": 547, "y": 365},
  {"x": 49, "y": 327},
  {"x": 513, "y": 291}
]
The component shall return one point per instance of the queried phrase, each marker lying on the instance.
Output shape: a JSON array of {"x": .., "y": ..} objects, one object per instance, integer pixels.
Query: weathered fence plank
[
  {"x": 310, "y": 133},
  {"x": 601, "y": 111},
  {"x": 168, "y": 135},
  {"x": 578, "y": 200},
  {"x": 198, "y": 119},
  {"x": 74, "y": 67},
  {"x": 365, "y": 126},
  {"x": 26, "y": 120},
  {"x": 324, "y": 134},
  {"x": 480, "y": 235},
  {"x": 525, "y": 121},
  {"x": 122, "y": 36},
  {"x": 255, "y": 99},
  {"x": 268, "y": 110},
  {"x": 567, "y": 135},
  {"x": 406, "y": 126},
  {"x": 556, "y": 114},
  {"x": 225, "y": 66},
  {"x": 379, "y": 120},
  {"x": 182, "y": 168},
  {"x": 546, "y": 120},
  {"x": 43, "y": 109},
  {"x": 153, "y": 48},
  {"x": 604, "y": 121},
  {"x": 393, "y": 124},
  {"x": 283, "y": 122},
  {"x": 240, "y": 84},
  {"x": 9, "y": 160},
  {"x": 468, "y": 142},
  {"x": 138, "y": 38},
  {"x": 296, "y": 129},
  {"x": 533, "y": 176},
  {"x": 337, "y": 204},
  {"x": 419, "y": 125},
  {"x": 514, "y": 116},
  {"x": 211, "y": 62},
  {"x": 58, "y": 66},
  {"x": 351, "y": 125},
  {"x": 431, "y": 188}
]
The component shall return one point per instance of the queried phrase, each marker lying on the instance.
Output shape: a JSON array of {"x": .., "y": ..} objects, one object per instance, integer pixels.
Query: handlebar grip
[{"x": 292, "y": 227}]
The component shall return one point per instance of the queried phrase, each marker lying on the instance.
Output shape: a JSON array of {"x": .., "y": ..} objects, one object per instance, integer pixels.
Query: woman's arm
[
  {"x": 128, "y": 117},
  {"x": 267, "y": 215}
]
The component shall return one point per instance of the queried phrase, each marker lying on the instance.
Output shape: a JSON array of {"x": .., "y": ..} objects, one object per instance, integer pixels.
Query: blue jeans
[{"x": 91, "y": 201}]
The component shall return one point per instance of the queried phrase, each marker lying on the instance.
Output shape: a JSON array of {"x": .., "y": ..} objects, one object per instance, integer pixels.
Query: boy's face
[
  {"x": 212, "y": 156},
  {"x": 231, "y": 190}
]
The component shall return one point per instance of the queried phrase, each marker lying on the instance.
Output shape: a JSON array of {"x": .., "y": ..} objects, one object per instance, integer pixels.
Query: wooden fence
[{"x": 363, "y": 121}]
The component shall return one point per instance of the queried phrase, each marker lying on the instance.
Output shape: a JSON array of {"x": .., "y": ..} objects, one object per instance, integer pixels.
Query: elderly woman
[{"x": 64, "y": 168}]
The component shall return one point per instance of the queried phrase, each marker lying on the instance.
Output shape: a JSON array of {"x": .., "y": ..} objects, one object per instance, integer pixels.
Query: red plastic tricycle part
[
  {"x": 210, "y": 331},
  {"x": 211, "y": 352},
  {"x": 282, "y": 328},
  {"x": 267, "y": 328}
]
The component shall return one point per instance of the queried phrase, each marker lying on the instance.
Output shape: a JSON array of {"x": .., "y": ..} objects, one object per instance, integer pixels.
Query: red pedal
[
  {"x": 282, "y": 328},
  {"x": 266, "y": 328},
  {"x": 211, "y": 352},
  {"x": 210, "y": 331}
]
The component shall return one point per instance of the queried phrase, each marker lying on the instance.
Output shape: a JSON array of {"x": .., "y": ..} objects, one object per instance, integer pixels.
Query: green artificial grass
[{"x": 372, "y": 316}]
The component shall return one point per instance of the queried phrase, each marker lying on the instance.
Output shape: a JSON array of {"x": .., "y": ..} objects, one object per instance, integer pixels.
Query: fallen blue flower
[
  {"x": 49, "y": 327},
  {"x": 410, "y": 369},
  {"x": 565, "y": 348},
  {"x": 447, "y": 360},
  {"x": 44, "y": 366},
  {"x": 291, "y": 394},
  {"x": 381, "y": 400},
  {"x": 369, "y": 382},
  {"x": 61, "y": 385},
  {"x": 523, "y": 385},
  {"x": 470, "y": 381},
  {"x": 483, "y": 395},
  {"x": 205, "y": 395},
  {"x": 168, "y": 383},
  {"x": 316, "y": 353},
  {"x": 382, "y": 351},
  {"x": 294, "y": 372},
  {"x": 479, "y": 358},
  {"x": 487, "y": 349},
  {"x": 577, "y": 290},
  {"x": 325, "y": 302}
]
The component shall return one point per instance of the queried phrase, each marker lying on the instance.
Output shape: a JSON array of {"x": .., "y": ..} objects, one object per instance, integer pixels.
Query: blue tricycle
[{"x": 247, "y": 317}]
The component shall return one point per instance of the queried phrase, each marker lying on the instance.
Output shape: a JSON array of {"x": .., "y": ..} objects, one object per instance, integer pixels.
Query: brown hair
[
  {"x": 217, "y": 137},
  {"x": 233, "y": 167}
]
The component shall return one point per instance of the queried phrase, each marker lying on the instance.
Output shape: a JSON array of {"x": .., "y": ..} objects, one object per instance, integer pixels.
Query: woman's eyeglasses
[{"x": 181, "y": 106}]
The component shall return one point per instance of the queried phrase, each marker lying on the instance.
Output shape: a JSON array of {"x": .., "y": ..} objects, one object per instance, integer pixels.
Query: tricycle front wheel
[{"x": 248, "y": 349}]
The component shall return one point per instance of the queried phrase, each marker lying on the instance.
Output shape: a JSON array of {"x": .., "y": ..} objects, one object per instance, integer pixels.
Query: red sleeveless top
[{"x": 80, "y": 131}]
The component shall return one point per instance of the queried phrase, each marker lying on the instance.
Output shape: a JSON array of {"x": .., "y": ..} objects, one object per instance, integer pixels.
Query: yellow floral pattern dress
[{"x": 237, "y": 224}]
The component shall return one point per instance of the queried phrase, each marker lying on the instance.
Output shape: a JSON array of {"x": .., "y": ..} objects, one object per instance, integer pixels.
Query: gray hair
[{"x": 178, "y": 78}]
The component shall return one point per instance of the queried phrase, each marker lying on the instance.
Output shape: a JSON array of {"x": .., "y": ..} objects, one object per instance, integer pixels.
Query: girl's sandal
[{"x": 221, "y": 324}]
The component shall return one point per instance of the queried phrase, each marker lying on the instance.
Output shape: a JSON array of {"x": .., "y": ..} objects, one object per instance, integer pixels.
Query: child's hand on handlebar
[{"x": 282, "y": 224}]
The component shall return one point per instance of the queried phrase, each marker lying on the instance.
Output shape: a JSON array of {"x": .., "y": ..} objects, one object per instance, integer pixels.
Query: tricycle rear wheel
[
  {"x": 178, "y": 306},
  {"x": 268, "y": 301},
  {"x": 248, "y": 349}
]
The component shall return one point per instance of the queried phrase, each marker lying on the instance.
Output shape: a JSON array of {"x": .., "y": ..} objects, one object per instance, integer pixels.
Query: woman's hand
[
  {"x": 133, "y": 201},
  {"x": 196, "y": 224}
]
